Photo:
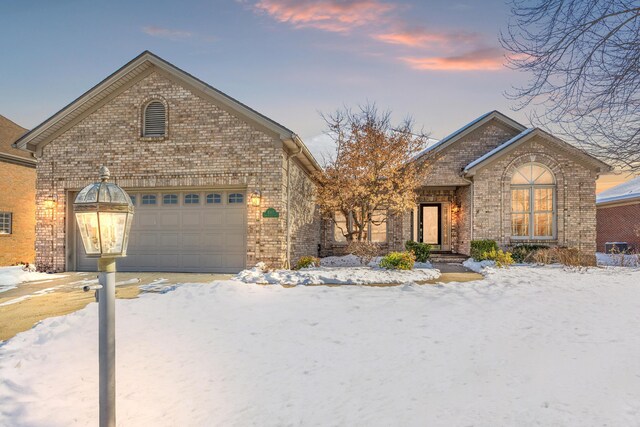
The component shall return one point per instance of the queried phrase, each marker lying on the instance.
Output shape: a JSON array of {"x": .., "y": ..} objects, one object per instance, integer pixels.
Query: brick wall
[
  {"x": 575, "y": 196},
  {"x": 305, "y": 215},
  {"x": 489, "y": 213},
  {"x": 446, "y": 166},
  {"x": 206, "y": 146},
  {"x": 17, "y": 195},
  {"x": 618, "y": 224}
]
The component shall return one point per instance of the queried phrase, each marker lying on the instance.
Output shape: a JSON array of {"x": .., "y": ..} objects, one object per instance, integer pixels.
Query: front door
[{"x": 430, "y": 225}]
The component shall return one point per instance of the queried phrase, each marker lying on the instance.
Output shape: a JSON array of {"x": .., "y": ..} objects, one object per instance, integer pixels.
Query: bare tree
[
  {"x": 371, "y": 175},
  {"x": 584, "y": 59}
]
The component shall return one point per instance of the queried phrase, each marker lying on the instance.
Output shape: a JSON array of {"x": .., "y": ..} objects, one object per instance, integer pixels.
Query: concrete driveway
[{"x": 31, "y": 302}]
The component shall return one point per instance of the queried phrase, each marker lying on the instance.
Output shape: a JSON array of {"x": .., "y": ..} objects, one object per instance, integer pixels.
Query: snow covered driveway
[{"x": 526, "y": 346}]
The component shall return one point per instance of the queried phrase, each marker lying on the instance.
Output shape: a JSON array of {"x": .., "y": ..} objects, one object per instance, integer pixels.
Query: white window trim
[
  {"x": 10, "y": 214},
  {"x": 531, "y": 213}
]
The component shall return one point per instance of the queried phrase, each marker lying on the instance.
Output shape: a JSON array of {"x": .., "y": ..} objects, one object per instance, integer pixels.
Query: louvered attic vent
[{"x": 154, "y": 119}]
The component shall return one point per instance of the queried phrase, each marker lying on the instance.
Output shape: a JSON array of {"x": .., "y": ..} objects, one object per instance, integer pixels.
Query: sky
[{"x": 439, "y": 62}]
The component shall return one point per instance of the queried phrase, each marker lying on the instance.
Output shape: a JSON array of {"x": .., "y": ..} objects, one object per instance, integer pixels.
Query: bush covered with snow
[{"x": 334, "y": 276}]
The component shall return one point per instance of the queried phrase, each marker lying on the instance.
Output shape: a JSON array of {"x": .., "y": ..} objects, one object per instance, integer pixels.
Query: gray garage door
[{"x": 184, "y": 231}]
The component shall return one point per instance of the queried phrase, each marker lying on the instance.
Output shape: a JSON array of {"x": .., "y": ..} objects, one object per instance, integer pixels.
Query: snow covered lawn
[
  {"x": 525, "y": 346},
  {"x": 10, "y": 277}
]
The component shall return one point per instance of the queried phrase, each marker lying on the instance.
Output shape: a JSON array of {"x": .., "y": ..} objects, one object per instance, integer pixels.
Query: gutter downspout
[
  {"x": 472, "y": 206},
  {"x": 287, "y": 262}
]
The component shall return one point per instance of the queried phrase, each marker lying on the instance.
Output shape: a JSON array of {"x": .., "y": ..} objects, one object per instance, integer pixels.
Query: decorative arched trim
[{"x": 557, "y": 188}]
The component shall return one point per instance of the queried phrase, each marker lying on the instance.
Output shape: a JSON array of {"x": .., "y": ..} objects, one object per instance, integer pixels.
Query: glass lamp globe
[{"x": 104, "y": 213}]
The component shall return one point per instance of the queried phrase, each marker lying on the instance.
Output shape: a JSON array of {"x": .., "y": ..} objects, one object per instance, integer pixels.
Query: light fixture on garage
[
  {"x": 49, "y": 204},
  {"x": 255, "y": 198},
  {"x": 104, "y": 213}
]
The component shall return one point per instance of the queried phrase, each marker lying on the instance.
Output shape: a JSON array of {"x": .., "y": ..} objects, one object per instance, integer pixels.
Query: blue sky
[{"x": 438, "y": 61}]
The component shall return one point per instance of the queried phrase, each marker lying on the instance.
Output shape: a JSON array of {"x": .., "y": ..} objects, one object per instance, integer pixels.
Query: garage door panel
[
  {"x": 147, "y": 241},
  {"x": 234, "y": 260},
  {"x": 198, "y": 237},
  {"x": 191, "y": 241},
  {"x": 234, "y": 219},
  {"x": 232, "y": 244},
  {"x": 169, "y": 219},
  {"x": 169, "y": 241},
  {"x": 191, "y": 219},
  {"x": 146, "y": 219},
  {"x": 214, "y": 217}
]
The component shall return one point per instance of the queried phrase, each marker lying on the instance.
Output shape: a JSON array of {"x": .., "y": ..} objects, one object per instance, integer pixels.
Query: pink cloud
[
  {"x": 424, "y": 38},
  {"x": 486, "y": 59},
  {"x": 328, "y": 15}
]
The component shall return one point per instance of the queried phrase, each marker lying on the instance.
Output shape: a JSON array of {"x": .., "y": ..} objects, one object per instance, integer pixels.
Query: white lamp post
[{"x": 104, "y": 213}]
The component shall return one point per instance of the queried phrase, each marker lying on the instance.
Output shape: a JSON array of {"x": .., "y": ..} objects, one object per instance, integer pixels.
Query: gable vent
[{"x": 155, "y": 118}]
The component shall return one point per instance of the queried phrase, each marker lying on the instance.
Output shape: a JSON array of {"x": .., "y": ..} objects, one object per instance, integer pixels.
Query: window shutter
[{"x": 154, "y": 119}]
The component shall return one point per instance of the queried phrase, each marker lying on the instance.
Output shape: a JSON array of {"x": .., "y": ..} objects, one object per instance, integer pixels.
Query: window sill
[
  {"x": 534, "y": 240},
  {"x": 153, "y": 138}
]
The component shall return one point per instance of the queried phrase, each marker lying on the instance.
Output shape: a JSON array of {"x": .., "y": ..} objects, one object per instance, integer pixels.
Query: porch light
[
  {"x": 104, "y": 213},
  {"x": 255, "y": 198}
]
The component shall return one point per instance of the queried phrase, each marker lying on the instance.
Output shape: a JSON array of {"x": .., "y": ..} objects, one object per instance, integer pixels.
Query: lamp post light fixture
[
  {"x": 104, "y": 213},
  {"x": 255, "y": 198}
]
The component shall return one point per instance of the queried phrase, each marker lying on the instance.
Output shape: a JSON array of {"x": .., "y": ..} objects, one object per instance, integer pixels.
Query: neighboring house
[
  {"x": 496, "y": 179},
  {"x": 619, "y": 215},
  {"x": 17, "y": 198},
  {"x": 191, "y": 157}
]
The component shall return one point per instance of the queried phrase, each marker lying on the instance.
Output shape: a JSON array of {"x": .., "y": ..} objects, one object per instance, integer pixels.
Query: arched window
[
  {"x": 154, "y": 119},
  {"x": 533, "y": 210}
]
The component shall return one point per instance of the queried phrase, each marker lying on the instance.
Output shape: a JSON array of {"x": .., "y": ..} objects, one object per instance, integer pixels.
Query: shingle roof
[
  {"x": 452, "y": 136},
  {"x": 600, "y": 165},
  {"x": 9, "y": 133},
  {"x": 625, "y": 191}
]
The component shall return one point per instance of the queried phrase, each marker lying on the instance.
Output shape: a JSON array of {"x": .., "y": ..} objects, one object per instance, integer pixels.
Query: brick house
[
  {"x": 496, "y": 179},
  {"x": 190, "y": 156},
  {"x": 17, "y": 198},
  {"x": 618, "y": 215}
]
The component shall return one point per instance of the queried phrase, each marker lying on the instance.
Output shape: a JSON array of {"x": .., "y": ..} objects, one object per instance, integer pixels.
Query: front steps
[{"x": 447, "y": 257}]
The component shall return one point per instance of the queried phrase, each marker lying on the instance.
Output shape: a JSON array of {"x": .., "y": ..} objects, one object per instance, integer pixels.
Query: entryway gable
[{"x": 470, "y": 127}]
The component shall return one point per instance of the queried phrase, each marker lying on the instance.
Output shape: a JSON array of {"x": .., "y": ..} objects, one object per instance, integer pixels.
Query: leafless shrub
[
  {"x": 571, "y": 257},
  {"x": 364, "y": 250}
]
